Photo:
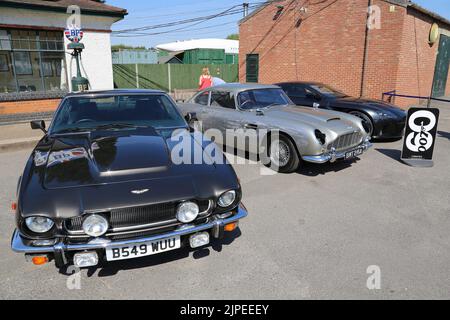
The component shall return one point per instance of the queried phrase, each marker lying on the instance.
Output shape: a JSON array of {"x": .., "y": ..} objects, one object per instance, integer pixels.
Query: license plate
[
  {"x": 354, "y": 153},
  {"x": 142, "y": 249}
]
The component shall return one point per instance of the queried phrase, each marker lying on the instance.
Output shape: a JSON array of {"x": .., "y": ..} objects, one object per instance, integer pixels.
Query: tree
[
  {"x": 234, "y": 36},
  {"x": 118, "y": 47}
]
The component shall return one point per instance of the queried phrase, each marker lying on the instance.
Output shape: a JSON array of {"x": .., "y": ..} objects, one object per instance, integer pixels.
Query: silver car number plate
[
  {"x": 142, "y": 249},
  {"x": 354, "y": 153}
]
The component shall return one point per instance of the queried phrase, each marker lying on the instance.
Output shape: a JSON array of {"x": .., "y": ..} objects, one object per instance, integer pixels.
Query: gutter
[{"x": 38, "y": 7}]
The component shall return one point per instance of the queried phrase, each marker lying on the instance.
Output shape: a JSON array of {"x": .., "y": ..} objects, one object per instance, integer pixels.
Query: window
[
  {"x": 136, "y": 110},
  {"x": 262, "y": 98},
  {"x": 252, "y": 67},
  {"x": 222, "y": 99},
  {"x": 32, "y": 61},
  {"x": 295, "y": 90},
  {"x": 202, "y": 98}
]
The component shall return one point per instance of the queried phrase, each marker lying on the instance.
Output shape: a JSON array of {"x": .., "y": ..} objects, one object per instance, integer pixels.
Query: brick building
[
  {"x": 329, "y": 41},
  {"x": 35, "y": 65}
]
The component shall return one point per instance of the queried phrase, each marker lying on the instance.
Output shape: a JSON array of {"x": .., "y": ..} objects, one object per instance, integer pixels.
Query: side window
[
  {"x": 202, "y": 98},
  {"x": 222, "y": 99},
  {"x": 297, "y": 91}
]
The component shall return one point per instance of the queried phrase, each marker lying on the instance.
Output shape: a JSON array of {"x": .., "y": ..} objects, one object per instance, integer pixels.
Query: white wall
[{"x": 96, "y": 61}]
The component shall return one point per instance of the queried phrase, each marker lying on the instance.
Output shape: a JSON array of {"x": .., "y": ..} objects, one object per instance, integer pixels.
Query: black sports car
[
  {"x": 380, "y": 119},
  {"x": 105, "y": 183}
]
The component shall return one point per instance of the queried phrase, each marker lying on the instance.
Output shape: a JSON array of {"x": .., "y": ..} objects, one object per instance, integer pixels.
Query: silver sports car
[{"x": 308, "y": 134}]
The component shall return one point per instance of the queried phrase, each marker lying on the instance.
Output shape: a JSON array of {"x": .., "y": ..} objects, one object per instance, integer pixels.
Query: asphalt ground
[{"x": 309, "y": 235}]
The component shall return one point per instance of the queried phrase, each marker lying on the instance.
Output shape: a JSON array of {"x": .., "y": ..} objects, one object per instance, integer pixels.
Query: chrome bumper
[
  {"x": 332, "y": 156},
  {"x": 18, "y": 245}
]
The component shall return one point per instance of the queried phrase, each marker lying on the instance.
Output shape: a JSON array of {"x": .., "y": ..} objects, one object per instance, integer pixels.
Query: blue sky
[{"x": 143, "y": 13}]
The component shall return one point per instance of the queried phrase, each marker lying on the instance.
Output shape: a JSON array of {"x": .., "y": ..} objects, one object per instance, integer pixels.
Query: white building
[
  {"x": 33, "y": 50},
  {"x": 230, "y": 46}
]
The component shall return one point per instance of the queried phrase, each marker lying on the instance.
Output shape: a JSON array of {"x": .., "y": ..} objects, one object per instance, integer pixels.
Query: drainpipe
[{"x": 366, "y": 51}]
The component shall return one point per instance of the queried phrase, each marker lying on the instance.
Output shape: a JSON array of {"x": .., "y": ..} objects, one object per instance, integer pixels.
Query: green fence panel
[{"x": 182, "y": 76}]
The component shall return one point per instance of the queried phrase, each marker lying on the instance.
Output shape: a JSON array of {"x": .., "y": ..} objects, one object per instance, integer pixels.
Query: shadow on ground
[
  {"x": 107, "y": 269},
  {"x": 391, "y": 153},
  {"x": 444, "y": 134},
  {"x": 313, "y": 170}
]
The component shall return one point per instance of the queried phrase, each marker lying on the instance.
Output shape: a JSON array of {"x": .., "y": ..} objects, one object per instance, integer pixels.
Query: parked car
[
  {"x": 380, "y": 119},
  {"x": 102, "y": 185},
  {"x": 307, "y": 134}
]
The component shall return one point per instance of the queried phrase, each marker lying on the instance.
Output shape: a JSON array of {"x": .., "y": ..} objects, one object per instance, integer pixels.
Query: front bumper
[
  {"x": 332, "y": 156},
  {"x": 216, "y": 225}
]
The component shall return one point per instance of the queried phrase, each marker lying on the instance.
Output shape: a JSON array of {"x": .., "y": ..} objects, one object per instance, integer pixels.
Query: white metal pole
[
  {"x": 170, "y": 77},
  {"x": 137, "y": 75}
]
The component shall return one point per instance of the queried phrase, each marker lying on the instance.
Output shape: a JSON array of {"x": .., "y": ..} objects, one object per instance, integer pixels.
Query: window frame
[{"x": 34, "y": 44}]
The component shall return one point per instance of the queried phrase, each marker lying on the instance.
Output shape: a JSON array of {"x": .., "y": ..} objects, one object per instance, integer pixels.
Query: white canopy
[{"x": 230, "y": 46}]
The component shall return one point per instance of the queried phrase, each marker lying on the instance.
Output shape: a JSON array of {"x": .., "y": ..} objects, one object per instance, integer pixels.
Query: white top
[{"x": 230, "y": 46}]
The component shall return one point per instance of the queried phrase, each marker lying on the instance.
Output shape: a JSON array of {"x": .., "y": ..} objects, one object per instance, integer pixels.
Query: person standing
[{"x": 205, "y": 80}]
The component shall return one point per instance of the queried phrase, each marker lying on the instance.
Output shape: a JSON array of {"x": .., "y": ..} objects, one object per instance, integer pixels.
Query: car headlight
[
  {"x": 227, "y": 199},
  {"x": 187, "y": 212},
  {"x": 95, "y": 225},
  {"x": 39, "y": 224},
  {"x": 320, "y": 136}
]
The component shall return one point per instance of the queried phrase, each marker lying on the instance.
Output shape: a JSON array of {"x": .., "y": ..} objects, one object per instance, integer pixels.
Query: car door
[
  {"x": 226, "y": 118},
  {"x": 200, "y": 106}
]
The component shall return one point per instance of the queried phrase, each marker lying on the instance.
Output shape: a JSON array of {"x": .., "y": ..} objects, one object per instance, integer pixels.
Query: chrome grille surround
[
  {"x": 135, "y": 219},
  {"x": 346, "y": 141}
]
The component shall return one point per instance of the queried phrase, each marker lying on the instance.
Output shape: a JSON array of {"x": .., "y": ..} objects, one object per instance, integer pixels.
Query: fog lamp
[
  {"x": 199, "y": 239},
  {"x": 43, "y": 243},
  {"x": 85, "y": 259}
]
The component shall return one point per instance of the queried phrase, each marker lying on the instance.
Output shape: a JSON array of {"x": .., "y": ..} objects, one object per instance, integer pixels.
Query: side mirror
[
  {"x": 38, "y": 124},
  {"x": 190, "y": 116}
]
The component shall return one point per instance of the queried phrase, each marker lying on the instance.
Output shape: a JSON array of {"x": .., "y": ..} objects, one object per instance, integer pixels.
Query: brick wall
[
  {"x": 417, "y": 58},
  {"x": 29, "y": 106},
  {"x": 328, "y": 46}
]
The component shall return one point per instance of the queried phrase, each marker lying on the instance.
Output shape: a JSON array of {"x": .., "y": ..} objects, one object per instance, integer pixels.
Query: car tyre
[
  {"x": 288, "y": 159},
  {"x": 367, "y": 121}
]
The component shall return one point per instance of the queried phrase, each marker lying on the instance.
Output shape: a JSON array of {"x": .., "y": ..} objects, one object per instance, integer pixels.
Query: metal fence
[
  {"x": 169, "y": 77},
  {"x": 391, "y": 95}
]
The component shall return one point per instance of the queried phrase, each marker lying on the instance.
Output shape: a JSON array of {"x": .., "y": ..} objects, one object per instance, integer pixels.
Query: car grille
[
  {"x": 346, "y": 141},
  {"x": 136, "y": 216}
]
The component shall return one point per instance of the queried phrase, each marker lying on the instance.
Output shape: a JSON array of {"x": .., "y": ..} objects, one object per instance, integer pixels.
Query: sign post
[
  {"x": 420, "y": 137},
  {"x": 74, "y": 35}
]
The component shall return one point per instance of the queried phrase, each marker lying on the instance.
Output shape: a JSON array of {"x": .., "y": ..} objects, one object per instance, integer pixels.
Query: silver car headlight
[
  {"x": 39, "y": 224},
  {"x": 187, "y": 212},
  {"x": 227, "y": 199},
  {"x": 95, "y": 225}
]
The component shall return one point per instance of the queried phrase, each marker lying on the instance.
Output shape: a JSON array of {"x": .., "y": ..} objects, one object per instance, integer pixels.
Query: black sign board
[{"x": 420, "y": 136}]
